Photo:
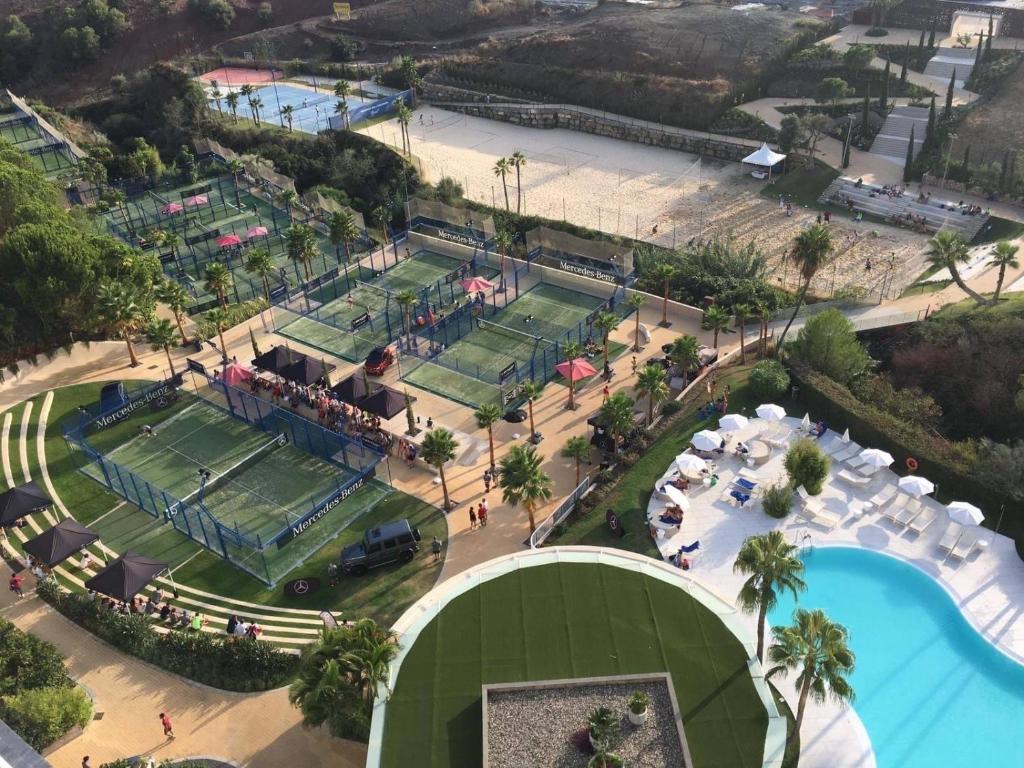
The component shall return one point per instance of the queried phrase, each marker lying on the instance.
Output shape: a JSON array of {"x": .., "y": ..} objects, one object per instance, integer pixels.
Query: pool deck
[{"x": 988, "y": 586}]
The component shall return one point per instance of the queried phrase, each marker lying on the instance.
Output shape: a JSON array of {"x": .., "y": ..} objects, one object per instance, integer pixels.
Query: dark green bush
[
  {"x": 807, "y": 465},
  {"x": 671, "y": 408},
  {"x": 769, "y": 381},
  {"x": 42, "y": 715},
  {"x": 26, "y": 662},
  {"x": 777, "y": 500}
]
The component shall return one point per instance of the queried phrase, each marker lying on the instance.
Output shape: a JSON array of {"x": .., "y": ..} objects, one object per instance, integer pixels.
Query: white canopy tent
[{"x": 765, "y": 160}]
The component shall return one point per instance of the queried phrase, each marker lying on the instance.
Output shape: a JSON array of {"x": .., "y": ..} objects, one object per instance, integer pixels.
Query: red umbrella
[
  {"x": 225, "y": 240},
  {"x": 197, "y": 200},
  {"x": 234, "y": 373},
  {"x": 256, "y": 232},
  {"x": 577, "y": 369},
  {"x": 171, "y": 208},
  {"x": 476, "y": 284}
]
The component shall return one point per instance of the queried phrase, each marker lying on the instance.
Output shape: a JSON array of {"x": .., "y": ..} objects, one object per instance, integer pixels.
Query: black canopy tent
[
  {"x": 60, "y": 542},
  {"x": 277, "y": 358},
  {"x": 354, "y": 388},
  {"x": 386, "y": 403},
  {"x": 20, "y": 501},
  {"x": 306, "y": 371},
  {"x": 126, "y": 576}
]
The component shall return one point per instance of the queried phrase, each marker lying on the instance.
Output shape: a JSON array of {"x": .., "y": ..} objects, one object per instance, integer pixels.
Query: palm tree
[
  {"x": 948, "y": 249},
  {"x": 531, "y": 390},
  {"x": 685, "y": 353},
  {"x": 248, "y": 91},
  {"x": 635, "y": 301},
  {"x": 325, "y": 695},
  {"x": 811, "y": 250},
  {"x": 341, "y": 109},
  {"x": 404, "y": 115},
  {"x": 1003, "y": 255},
  {"x": 122, "y": 312},
  {"x": 486, "y": 416},
  {"x": 160, "y": 335},
  {"x": 218, "y": 320},
  {"x": 232, "y": 101},
  {"x": 342, "y": 89},
  {"x": 217, "y": 95},
  {"x": 342, "y": 230},
  {"x": 257, "y": 105},
  {"x": 382, "y": 215},
  {"x": 663, "y": 273},
  {"x": 578, "y": 449},
  {"x": 288, "y": 198},
  {"x": 617, "y": 414},
  {"x": 772, "y": 566},
  {"x": 742, "y": 311},
  {"x": 171, "y": 293},
  {"x": 572, "y": 350},
  {"x": 302, "y": 246},
  {"x": 650, "y": 382},
  {"x": 288, "y": 112},
  {"x": 439, "y": 447},
  {"x": 407, "y": 300},
  {"x": 502, "y": 244},
  {"x": 715, "y": 319},
  {"x": 765, "y": 315},
  {"x": 236, "y": 168},
  {"x": 523, "y": 482},
  {"x": 517, "y": 161},
  {"x": 219, "y": 281},
  {"x": 259, "y": 262},
  {"x": 501, "y": 168},
  {"x": 606, "y": 322},
  {"x": 818, "y": 648}
]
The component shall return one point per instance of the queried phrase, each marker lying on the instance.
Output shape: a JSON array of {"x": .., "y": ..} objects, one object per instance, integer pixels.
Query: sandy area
[{"x": 629, "y": 189}]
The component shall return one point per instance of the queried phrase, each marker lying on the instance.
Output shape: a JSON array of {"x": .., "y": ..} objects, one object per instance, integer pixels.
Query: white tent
[{"x": 764, "y": 158}]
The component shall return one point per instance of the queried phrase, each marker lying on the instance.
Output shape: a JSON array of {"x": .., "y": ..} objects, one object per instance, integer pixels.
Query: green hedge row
[
  {"x": 937, "y": 459},
  {"x": 221, "y": 662}
]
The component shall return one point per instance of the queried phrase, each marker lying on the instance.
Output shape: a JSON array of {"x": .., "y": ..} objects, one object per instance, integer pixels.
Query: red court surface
[{"x": 241, "y": 76}]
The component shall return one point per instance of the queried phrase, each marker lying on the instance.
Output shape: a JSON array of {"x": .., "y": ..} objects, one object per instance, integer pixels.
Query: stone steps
[
  {"x": 894, "y": 136},
  {"x": 946, "y": 60}
]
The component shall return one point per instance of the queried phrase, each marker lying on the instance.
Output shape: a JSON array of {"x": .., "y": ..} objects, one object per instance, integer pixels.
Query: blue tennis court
[{"x": 310, "y": 109}]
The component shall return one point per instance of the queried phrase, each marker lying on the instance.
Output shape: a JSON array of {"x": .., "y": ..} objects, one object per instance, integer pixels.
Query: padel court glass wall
[{"x": 297, "y": 524}]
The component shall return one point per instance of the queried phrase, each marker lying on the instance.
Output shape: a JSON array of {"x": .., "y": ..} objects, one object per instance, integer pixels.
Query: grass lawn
[
  {"x": 802, "y": 187},
  {"x": 630, "y": 496},
  {"x": 999, "y": 228},
  {"x": 383, "y": 594},
  {"x": 1010, "y": 304},
  {"x": 564, "y": 621}
]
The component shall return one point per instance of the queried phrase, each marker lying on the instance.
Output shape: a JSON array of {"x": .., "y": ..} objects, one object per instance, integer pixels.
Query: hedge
[
  {"x": 936, "y": 457},
  {"x": 221, "y": 662}
]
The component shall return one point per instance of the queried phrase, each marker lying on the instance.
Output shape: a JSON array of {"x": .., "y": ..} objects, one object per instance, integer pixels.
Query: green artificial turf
[
  {"x": 565, "y": 621},
  {"x": 998, "y": 228},
  {"x": 803, "y": 186}
]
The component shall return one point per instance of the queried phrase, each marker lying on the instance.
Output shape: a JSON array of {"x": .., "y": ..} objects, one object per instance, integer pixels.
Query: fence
[
  {"x": 597, "y": 259},
  {"x": 562, "y": 511}
]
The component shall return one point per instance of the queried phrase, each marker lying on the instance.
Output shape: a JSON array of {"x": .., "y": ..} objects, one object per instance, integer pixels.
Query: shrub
[
  {"x": 807, "y": 465},
  {"x": 671, "y": 408},
  {"x": 768, "y": 381},
  {"x": 777, "y": 500},
  {"x": 43, "y": 715},
  {"x": 876, "y": 32},
  {"x": 217, "y": 11},
  {"x": 828, "y": 344},
  {"x": 344, "y": 48},
  {"x": 265, "y": 13},
  {"x": 26, "y": 662}
]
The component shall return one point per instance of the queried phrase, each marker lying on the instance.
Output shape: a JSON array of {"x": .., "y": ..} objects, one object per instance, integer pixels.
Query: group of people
[
  {"x": 910, "y": 220},
  {"x": 892, "y": 191}
]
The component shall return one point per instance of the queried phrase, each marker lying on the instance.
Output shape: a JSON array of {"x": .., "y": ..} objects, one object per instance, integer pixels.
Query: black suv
[{"x": 387, "y": 543}]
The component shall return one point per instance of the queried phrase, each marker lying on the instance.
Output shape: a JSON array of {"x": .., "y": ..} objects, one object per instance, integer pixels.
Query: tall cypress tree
[
  {"x": 929, "y": 133},
  {"x": 865, "y": 112},
  {"x": 920, "y": 43},
  {"x": 949, "y": 95},
  {"x": 967, "y": 162},
  {"x": 931, "y": 34},
  {"x": 988, "y": 40},
  {"x": 906, "y": 63},
  {"x": 1011, "y": 177},
  {"x": 883, "y": 100},
  {"x": 977, "y": 54},
  {"x": 908, "y": 166}
]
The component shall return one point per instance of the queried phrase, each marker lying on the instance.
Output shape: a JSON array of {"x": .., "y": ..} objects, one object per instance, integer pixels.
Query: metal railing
[{"x": 561, "y": 512}]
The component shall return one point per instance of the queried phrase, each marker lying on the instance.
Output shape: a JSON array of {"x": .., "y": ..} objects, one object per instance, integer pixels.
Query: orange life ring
[{"x": 911, "y": 464}]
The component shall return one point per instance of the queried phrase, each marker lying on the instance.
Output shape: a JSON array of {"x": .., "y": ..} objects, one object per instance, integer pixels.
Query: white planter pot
[{"x": 636, "y": 719}]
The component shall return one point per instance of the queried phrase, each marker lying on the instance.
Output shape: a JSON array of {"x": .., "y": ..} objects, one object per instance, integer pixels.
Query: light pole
[{"x": 949, "y": 151}]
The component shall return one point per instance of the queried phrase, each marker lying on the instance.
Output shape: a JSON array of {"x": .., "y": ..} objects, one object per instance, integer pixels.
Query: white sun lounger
[
  {"x": 868, "y": 470},
  {"x": 851, "y": 450},
  {"x": 883, "y": 497},
  {"x": 909, "y": 513},
  {"x": 832, "y": 445},
  {"x": 853, "y": 478},
  {"x": 812, "y": 510},
  {"x": 965, "y": 545},
  {"x": 855, "y": 462},
  {"x": 892, "y": 510},
  {"x": 928, "y": 516},
  {"x": 951, "y": 536}
]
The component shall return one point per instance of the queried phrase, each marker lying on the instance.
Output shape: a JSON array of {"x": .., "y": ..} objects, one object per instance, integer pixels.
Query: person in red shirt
[
  {"x": 165, "y": 721},
  {"x": 15, "y": 585}
]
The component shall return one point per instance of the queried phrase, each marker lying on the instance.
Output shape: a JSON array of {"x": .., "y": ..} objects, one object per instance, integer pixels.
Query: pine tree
[
  {"x": 967, "y": 162},
  {"x": 949, "y": 95},
  {"x": 906, "y": 63},
  {"x": 929, "y": 132},
  {"x": 883, "y": 100},
  {"x": 908, "y": 166}
]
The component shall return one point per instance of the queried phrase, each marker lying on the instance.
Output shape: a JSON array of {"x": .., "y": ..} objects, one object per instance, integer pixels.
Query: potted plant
[
  {"x": 604, "y": 759},
  {"x": 638, "y": 704},
  {"x": 602, "y": 726}
]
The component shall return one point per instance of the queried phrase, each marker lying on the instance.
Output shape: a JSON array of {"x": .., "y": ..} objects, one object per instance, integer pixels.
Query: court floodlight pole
[{"x": 273, "y": 79}]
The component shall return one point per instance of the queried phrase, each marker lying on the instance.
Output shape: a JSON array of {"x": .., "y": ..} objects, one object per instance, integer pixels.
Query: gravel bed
[{"x": 532, "y": 728}]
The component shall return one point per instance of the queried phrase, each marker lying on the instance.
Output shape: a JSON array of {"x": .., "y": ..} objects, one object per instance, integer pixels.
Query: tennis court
[
  {"x": 310, "y": 108},
  {"x": 52, "y": 159},
  {"x": 545, "y": 311},
  {"x": 259, "y": 484}
]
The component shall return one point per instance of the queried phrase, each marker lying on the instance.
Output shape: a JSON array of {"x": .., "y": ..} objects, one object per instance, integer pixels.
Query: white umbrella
[
  {"x": 876, "y": 458},
  {"x": 964, "y": 513},
  {"x": 846, "y": 436},
  {"x": 805, "y": 423},
  {"x": 690, "y": 462},
  {"x": 916, "y": 486},
  {"x": 676, "y": 497},
  {"x": 707, "y": 440},
  {"x": 732, "y": 422},
  {"x": 771, "y": 412}
]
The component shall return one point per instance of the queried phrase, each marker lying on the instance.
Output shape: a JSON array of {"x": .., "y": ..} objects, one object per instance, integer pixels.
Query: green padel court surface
[
  {"x": 267, "y": 485},
  {"x": 468, "y": 370},
  {"x": 565, "y": 621}
]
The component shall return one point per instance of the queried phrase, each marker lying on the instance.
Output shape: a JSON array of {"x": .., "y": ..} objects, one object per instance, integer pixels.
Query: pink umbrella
[
  {"x": 171, "y": 208},
  {"x": 197, "y": 200},
  {"x": 577, "y": 369},
  {"x": 476, "y": 284},
  {"x": 225, "y": 240},
  {"x": 235, "y": 373},
  {"x": 256, "y": 232}
]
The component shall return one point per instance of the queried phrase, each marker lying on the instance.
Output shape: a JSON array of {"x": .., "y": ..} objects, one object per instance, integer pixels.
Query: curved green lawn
[{"x": 564, "y": 621}]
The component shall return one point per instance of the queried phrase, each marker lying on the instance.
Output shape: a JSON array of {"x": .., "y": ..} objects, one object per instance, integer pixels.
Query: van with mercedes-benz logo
[{"x": 395, "y": 542}]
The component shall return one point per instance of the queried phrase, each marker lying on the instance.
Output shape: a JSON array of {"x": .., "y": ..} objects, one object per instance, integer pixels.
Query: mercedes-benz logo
[{"x": 301, "y": 586}]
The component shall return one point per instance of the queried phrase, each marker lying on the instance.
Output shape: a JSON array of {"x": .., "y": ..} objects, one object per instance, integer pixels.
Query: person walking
[
  {"x": 472, "y": 517},
  {"x": 435, "y": 547},
  {"x": 165, "y": 721},
  {"x": 634, "y": 364},
  {"x": 86, "y": 763},
  {"x": 488, "y": 477},
  {"x": 15, "y": 585},
  {"x": 606, "y": 393},
  {"x": 482, "y": 515}
]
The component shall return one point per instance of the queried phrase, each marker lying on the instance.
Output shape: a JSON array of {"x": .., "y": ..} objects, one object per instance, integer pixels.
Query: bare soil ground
[{"x": 997, "y": 124}]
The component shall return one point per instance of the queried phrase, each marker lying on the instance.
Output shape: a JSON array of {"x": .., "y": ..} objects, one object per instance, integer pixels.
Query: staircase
[
  {"x": 891, "y": 141},
  {"x": 945, "y": 60}
]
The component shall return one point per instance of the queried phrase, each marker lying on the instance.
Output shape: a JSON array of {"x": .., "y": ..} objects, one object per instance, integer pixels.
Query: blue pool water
[{"x": 930, "y": 690}]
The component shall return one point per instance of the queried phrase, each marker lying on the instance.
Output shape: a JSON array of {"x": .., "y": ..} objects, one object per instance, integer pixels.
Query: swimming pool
[{"x": 930, "y": 690}]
